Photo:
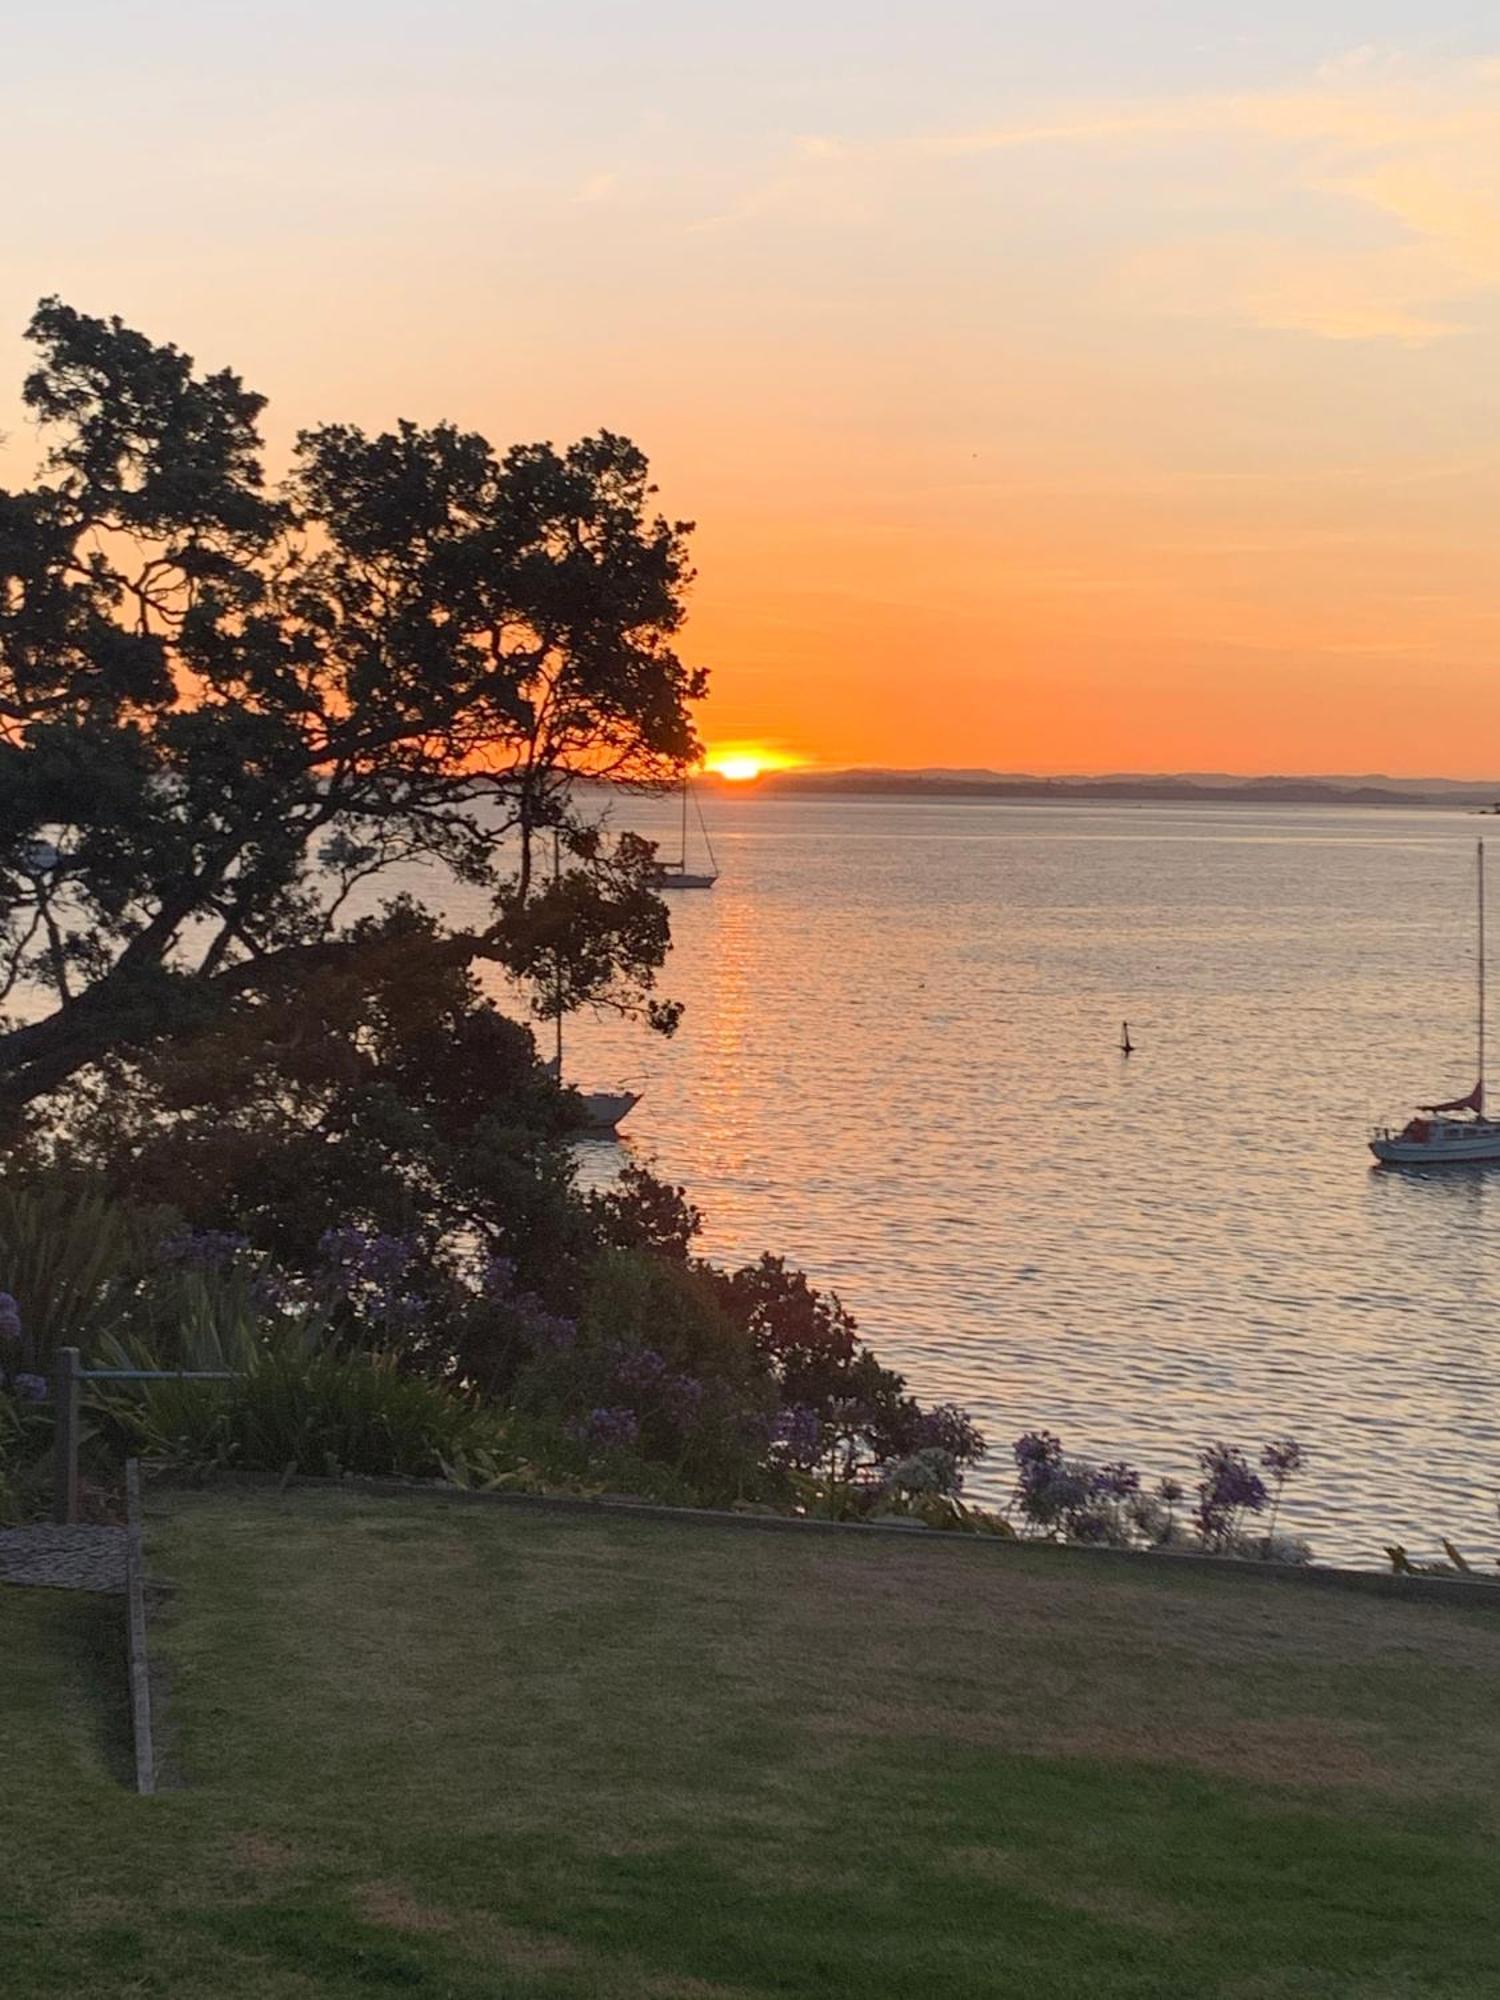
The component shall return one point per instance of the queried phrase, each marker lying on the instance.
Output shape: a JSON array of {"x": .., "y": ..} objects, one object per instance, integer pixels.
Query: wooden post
[
  {"x": 65, "y": 1415},
  {"x": 135, "y": 1622}
]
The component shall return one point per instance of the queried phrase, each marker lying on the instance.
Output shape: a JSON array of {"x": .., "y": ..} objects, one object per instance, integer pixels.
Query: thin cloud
[{"x": 1415, "y": 147}]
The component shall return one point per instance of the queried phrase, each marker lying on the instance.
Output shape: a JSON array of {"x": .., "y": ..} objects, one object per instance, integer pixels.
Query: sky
[{"x": 1080, "y": 387}]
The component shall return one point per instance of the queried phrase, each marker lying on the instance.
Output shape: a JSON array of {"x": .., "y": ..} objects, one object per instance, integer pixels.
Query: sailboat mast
[
  {"x": 1481, "y": 975},
  {"x": 684, "y": 821}
]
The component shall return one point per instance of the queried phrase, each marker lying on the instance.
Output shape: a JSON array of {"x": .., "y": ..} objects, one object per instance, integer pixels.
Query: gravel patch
[{"x": 81, "y": 1558}]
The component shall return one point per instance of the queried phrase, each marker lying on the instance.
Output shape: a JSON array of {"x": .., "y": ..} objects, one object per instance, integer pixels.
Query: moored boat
[
  {"x": 599, "y": 1111},
  {"x": 676, "y": 874},
  {"x": 1457, "y": 1131}
]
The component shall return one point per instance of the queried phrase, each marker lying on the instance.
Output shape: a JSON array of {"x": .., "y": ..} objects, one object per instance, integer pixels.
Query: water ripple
[{"x": 898, "y": 1067}]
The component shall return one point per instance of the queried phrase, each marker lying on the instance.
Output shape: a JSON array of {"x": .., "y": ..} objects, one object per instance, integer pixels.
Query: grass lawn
[{"x": 468, "y": 1752}]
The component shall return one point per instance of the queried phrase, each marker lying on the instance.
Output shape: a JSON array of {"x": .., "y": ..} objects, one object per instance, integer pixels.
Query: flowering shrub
[
  {"x": 22, "y": 1384},
  {"x": 1071, "y": 1499},
  {"x": 796, "y": 1436},
  {"x": 202, "y": 1249},
  {"x": 25, "y": 1426},
  {"x": 371, "y": 1272},
  {"x": 611, "y": 1429},
  {"x": 1228, "y": 1493},
  {"x": 654, "y": 1368}
]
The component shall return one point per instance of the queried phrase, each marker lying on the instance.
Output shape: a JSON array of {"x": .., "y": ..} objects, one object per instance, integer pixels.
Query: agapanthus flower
[
  {"x": 1282, "y": 1458},
  {"x": 202, "y": 1249},
  {"x": 10, "y": 1318},
  {"x": 683, "y": 1395},
  {"x": 638, "y": 1367},
  {"x": 553, "y": 1330},
  {"x": 1050, "y": 1491},
  {"x": 1228, "y": 1489},
  {"x": 28, "y": 1388},
  {"x": 368, "y": 1257},
  {"x": 614, "y": 1426},
  {"x": 1115, "y": 1482},
  {"x": 273, "y": 1291},
  {"x": 497, "y": 1276},
  {"x": 1089, "y": 1524},
  {"x": 797, "y": 1431},
  {"x": 1037, "y": 1448}
]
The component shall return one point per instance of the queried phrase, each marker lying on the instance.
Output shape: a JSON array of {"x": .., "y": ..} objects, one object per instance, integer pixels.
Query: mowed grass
[{"x": 461, "y": 1751}]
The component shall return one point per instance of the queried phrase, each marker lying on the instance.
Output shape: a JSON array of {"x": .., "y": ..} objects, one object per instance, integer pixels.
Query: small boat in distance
[
  {"x": 1440, "y": 1135},
  {"x": 602, "y": 1110},
  {"x": 676, "y": 874}
]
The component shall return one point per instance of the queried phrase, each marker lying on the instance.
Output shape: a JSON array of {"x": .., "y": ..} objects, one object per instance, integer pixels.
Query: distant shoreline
[{"x": 1446, "y": 795}]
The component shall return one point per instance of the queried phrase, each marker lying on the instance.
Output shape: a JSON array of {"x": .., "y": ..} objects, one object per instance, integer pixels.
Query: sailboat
[
  {"x": 1441, "y": 1134},
  {"x": 676, "y": 874},
  {"x": 602, "y": 1109}
]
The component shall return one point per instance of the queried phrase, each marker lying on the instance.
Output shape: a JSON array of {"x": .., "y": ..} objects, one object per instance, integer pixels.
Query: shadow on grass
[{"x": 86, "y": 1636}]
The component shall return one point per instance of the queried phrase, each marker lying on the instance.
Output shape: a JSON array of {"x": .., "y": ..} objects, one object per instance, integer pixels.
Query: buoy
[{"x": 1127, "y": 1047}]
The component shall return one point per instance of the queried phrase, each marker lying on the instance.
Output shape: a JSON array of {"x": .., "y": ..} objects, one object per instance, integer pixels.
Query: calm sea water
[{"x": 898, "y": 1066}]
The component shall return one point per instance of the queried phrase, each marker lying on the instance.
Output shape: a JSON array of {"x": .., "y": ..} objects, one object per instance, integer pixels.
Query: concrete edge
[
  {"x": 135, "y": 1625},
  {"x": 1475, "y": 1592}
]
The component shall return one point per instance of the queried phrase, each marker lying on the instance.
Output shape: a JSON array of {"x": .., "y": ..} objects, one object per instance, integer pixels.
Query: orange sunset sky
[{"x": 1084, "y": 387}]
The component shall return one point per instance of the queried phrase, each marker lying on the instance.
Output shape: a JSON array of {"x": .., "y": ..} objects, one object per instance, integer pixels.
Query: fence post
[{"x": 65, "y": 1416}]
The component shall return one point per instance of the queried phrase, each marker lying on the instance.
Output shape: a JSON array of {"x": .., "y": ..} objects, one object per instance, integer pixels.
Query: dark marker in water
[{"x": 1127, "y": 1047}]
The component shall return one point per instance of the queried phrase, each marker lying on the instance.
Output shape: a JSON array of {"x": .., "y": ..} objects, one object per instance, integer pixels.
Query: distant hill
[{"x": 1210, "y": 787}]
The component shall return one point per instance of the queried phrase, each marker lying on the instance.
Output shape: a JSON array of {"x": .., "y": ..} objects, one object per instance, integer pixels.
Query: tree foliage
[{"x": 224, "y": 709}]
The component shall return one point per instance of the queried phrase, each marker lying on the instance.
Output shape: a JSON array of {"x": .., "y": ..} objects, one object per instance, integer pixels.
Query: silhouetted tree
[{"x": 223, "y": 709}]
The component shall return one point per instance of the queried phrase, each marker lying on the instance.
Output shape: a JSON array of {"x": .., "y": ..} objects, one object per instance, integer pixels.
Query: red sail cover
[{"x": 1473, "y": 1102}]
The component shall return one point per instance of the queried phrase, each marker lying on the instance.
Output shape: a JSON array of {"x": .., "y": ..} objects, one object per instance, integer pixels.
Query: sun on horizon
[{"x": 743, "y": 763}]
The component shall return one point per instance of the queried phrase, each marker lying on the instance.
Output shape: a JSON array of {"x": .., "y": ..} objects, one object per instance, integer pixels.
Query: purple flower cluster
[
  {"x": 797, "y": 1432},
  {"x": 1037, "y": 1448},
  {"x": 1227, "y": 1491},
  {"x": 371, "y": 1266},
  {"x": 272, "y": 1291},
  {"x": 367, "y": 1257},
  {"x": 640, "y": 1368},
  {"x": 555, "y": 1331},
  {"x": 1282, "y": 1458},
  {"x": 613, "y": 1426},
  {"x": 1069, "y": 1495},
  {"x": 25, "y": 1386},
  {"x": 497, "y": 1284},
  {"x": 497, "y": 1276},
  {"x": 1072, "y": 1499},
  {"x": 1117, "y": 1481},
  {"x": 648, "y": 1379},
  {"x": 202, "y": 1249}
]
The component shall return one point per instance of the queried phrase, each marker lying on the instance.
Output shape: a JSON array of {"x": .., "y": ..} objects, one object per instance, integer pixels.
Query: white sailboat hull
[
  {"x": 680, "y": 878},
  {"x": 603, "y": 1109},
  {"x": 599, "y": 1110},
  {"x": 1447, "y": 1142}
]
